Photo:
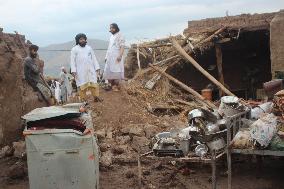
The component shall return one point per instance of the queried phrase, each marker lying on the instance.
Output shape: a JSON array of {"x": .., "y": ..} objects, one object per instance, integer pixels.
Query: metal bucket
[{"x": 230, "y": 106}]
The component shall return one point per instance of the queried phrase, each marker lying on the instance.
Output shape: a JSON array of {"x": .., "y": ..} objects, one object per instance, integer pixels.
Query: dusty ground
[{"x": 119, "y": 110}]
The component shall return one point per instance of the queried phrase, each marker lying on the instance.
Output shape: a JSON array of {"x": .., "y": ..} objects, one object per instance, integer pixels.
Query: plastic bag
[
  {"x": 277, "y": 144},
  {"x": 264, "y": 129},
  {"x": 259, "y": 110},
  {"x": 242, "y": 140}
]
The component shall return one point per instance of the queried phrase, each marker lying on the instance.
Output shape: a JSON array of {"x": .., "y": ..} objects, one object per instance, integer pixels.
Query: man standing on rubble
[
  {"x": 85, "y": 68},
  {"x": 34, "y": 77},
  {"x": 114, "y": 68}
]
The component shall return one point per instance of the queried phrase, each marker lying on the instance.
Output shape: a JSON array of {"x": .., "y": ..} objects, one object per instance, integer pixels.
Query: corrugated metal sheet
[{"x": 53, "y": 111}]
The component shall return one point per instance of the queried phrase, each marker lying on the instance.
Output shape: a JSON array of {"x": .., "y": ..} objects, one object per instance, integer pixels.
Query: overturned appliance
[
  {"x": 206, "y": 130},
  {"x": 62, "y": 150},
  {"x": 170, "y": 144}
]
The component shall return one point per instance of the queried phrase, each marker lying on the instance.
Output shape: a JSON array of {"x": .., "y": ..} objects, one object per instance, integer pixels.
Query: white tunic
[
  {"x": 57, "y": 91},
  {"x": 115, "y": 43},
  {"x": 85, "y": 64}
]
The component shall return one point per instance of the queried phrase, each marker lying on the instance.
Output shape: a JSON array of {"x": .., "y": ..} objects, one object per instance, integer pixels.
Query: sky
[{"x": 47, "y": 22}]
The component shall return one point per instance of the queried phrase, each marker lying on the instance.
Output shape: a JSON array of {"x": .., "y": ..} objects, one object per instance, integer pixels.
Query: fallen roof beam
[
  {"x": 197, "y": 66},
  {"x": 199, "y": 99}
]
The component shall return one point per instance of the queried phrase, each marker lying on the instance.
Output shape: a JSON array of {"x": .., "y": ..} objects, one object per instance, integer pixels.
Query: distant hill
[{"x": 57, "y": 55}]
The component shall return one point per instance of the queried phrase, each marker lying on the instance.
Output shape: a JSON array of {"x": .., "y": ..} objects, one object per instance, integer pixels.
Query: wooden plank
[
  {"x": 186, "y": 159},
  {"x": 144, "y": 71},
  {"x": 219, "y": 61},
  {"x": 157, "y": 45},
  {"x": 166, "y": 60},
  {"x": 211, "y": 36},
  {"x": 198, "y": 67},
  {"x": 184, "y": 102},
  {"x": 224, "y": 40},
  {"x": 185, "y": 87},
  {"x": 183, "y": 159},
  {"x": 258, "y": 152},
  {"x": 140, "y": 53}
]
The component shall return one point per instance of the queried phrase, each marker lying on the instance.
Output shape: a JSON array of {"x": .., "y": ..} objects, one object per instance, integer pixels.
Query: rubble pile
[
  {"x": 150, "y": 87},
  {"x": 148, "y": 64},
  {"x": 15, "y": 155}
]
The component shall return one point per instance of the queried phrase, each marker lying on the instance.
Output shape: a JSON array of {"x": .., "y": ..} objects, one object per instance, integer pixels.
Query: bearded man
[
  {"x": 85, "y": 68},
  {"x": 114, "y": 68},
  {"x": 34, "y": 77}
]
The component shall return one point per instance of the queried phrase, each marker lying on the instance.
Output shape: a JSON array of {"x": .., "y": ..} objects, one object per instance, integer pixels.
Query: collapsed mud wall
[
  {"x": 16, "y": 96},
  {"x": 276, "y": 45}
]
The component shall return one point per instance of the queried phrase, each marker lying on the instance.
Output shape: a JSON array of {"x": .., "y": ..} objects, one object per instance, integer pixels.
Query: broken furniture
[
  {"x": 201, "y": 141},
  {"x": 62, "y": 150},
  {"x": 234, "y": 124}
]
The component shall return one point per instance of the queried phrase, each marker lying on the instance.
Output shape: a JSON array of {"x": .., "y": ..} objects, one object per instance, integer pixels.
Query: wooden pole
[
  {"x": 213, "y": 162},
  {"x": 197, "y": 66},
  {"x": 211, "y": 36},
  {"x": 219, "y": 60},
  {"x": 139, "y": 172},
  {"x": 138, "y": 58},
  {"x": 185, "y": 87},
  {"x": 168, "y": 59},
  {"x": 229, "y": 156}
]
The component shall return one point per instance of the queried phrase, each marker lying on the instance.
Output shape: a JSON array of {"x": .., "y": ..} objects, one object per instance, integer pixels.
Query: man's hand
[
  {"x": 74, "y": 74},
  {"x": 118, "y": 59}
]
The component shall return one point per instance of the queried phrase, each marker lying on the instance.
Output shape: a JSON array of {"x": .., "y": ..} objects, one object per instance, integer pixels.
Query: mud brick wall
[
  {"x": 243, "y": 21},
  {"x": 277, "y": 43}
]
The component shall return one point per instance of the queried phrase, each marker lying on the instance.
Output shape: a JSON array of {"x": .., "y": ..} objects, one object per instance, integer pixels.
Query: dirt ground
[{"x": 119, "y": 110}]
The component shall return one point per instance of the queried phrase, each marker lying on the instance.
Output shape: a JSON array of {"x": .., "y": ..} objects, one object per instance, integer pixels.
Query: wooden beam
[
  {"x": 138, "y": 58},
  {"x": 139, "y": 172},
  {"x": 200, "y": 98},
  {"x": 156, "y": 45},
  {"x": 224, "y": 40},
  {"x": 211, "y": 36},
  {"x": 184, "y": 102},
  {"x": 168, "y": 59},
  {"x": 197, "y": 66},
  {"x": 219, "y": 60}
]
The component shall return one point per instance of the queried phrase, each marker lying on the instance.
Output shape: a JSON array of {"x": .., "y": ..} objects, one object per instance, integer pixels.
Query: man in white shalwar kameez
[
  {"x": 57, "y": 92},
  {"x": 114, "y": 68},
  {"x": 85, "y": 68},
  {"x": 65, "y": 85}
]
